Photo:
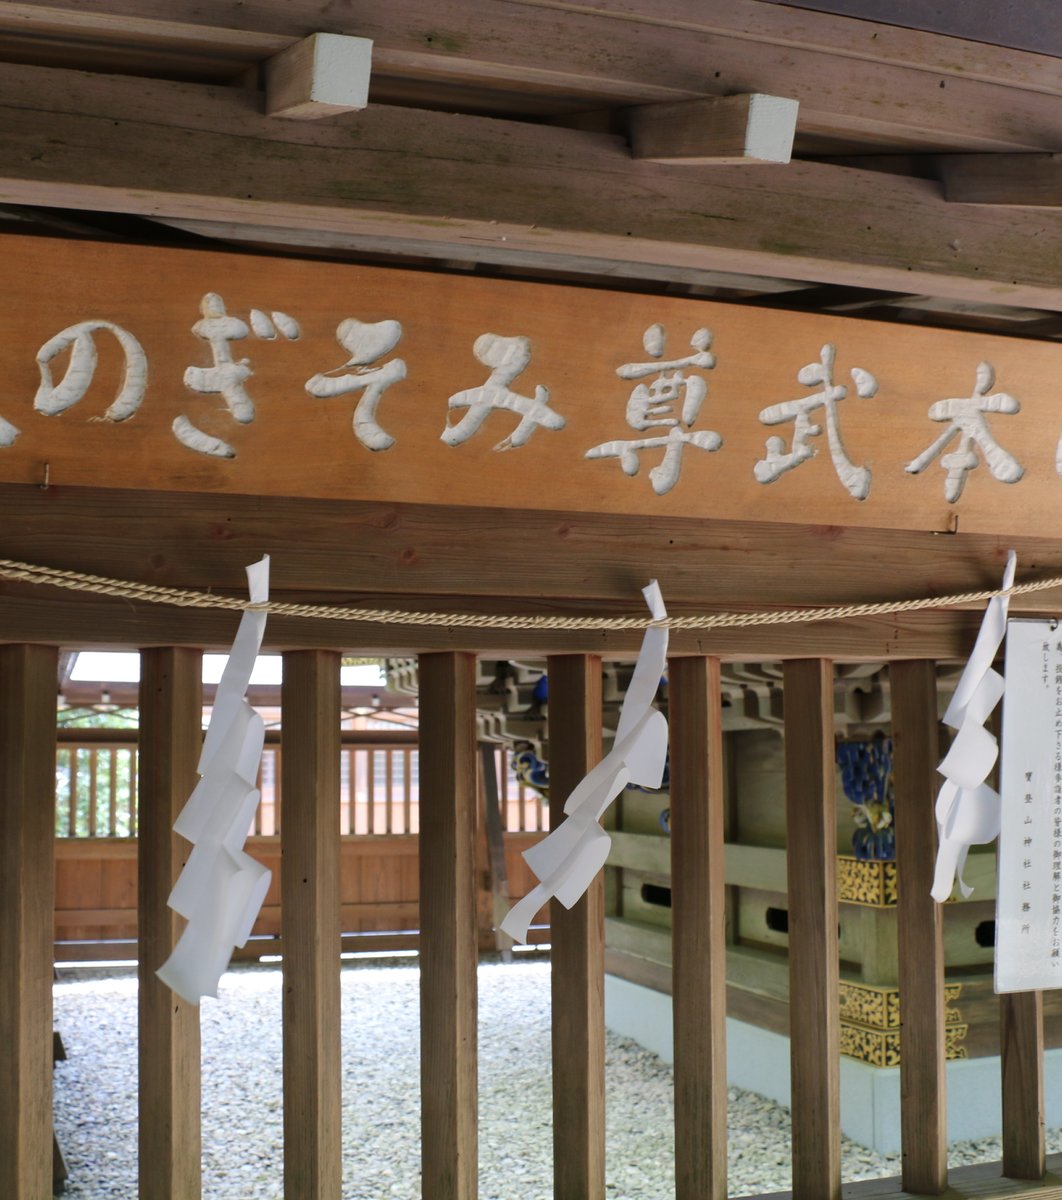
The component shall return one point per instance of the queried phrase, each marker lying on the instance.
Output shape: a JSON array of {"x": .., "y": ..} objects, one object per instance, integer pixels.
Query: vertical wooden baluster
[
  {"x": 310, "y": 925},
  {"x": 73, "y": 830},
  {"x": 407, "y": 789},
  {"x": 1021, "y": 1041},
  {"x": 171, "y": 715},
  {"x": 112, "y": 807},
  {"x": 94, "y": 758},
  {"x": 923, "y": 1079},
  {"x": 448, "y": 952},
  {"x": 370, "y": 788},
  {"x": 578, "y": 955},
  {"x": 389, "y": 759},
  {"x": 134, "y": 793},
  {"x": 811, "y": 850},
  {"x": 28, "y": 686},
  {"x": 698, "y": 899}
]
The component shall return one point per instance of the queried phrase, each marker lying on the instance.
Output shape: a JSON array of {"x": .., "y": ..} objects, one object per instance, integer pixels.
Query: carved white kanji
[
  {"x": 777, "y": 460},
  {"x": 507, "y": 357},
  {"x": 653, "y": 406},
  {"x": 54, "y": 398},
  {"x": 227, "y": 376},
  {"x": 365, "y": 344},
  {"x": 966, "y": 420}
]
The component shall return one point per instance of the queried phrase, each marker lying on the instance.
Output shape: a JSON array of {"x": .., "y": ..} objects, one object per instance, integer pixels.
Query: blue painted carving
[{"x": 866, "y": 776}]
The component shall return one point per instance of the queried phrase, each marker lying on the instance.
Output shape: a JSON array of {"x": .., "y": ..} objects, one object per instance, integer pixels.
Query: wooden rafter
[{"x": 451, "y": 186}]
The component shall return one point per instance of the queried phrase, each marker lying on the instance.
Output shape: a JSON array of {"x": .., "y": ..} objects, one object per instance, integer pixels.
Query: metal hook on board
[{"x": 44, "y": 480}]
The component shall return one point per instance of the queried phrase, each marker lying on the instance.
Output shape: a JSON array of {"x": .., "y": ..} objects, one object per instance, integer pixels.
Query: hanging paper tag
[
  {"x": 568, "y": 859},
  {"x": 221, "y": 889},
  {"x": 1029, "y": 896},
  {"x": 967, "y": 808}
]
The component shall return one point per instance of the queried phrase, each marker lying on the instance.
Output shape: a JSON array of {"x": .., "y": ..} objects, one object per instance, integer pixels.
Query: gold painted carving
[{"x": 871, "y": 884}]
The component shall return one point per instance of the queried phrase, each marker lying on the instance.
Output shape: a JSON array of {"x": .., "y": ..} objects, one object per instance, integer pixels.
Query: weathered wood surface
[
  {"x": 920, "y": 920},
  {"x": 883, "y": 80},
  {"x": 578, "y": 945},
  {"x": 576, "y": 351},
  {"x": 448, "y": 945},
  {"x": 698, "y": 896},
  {"x": 813, "y": 958},
  {"x": 1020, "y": 179},
  {"x": 309, "y": 882},
  {"x": 473, "y": 188},
  {"x": 1021, "y": 1038},
  {"x": 168, "y": 1044},
  {"x": 719, "y": 131},
  {"x": 28, "y": 676}
]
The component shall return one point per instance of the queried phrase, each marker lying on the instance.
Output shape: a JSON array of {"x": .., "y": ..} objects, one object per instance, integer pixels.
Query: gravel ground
[{"x": 95, "y": 1094}]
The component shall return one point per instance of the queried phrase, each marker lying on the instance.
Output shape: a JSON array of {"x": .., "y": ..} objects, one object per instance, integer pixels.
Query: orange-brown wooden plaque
[{"x": 297, "y": 444}]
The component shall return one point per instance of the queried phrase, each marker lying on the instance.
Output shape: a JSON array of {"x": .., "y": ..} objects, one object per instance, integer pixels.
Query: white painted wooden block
[
  {"x": 324, "y": 74},
  {"x": 717, "y": 130}
]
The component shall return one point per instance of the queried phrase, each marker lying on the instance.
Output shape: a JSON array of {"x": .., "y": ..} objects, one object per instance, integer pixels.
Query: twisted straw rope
[{"x": 154, "y": 594}]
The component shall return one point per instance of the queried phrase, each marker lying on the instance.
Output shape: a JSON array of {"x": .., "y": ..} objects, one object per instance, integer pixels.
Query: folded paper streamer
[
  {"x": 221, "y": 888},
  {"x": 968, "y": 810},
  {"x": 568, "y": 859}
]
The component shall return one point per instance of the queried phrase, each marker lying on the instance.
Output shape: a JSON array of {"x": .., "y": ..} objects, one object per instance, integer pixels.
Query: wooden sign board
[{"x": 144, "y": 368}]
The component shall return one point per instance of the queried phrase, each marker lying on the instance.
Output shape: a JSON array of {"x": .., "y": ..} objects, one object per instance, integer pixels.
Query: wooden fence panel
[
  {"x": 698, "y": 899},
  {"x": 578, "y": 954},
  {"x": 28, "y": 677},
  {"x": 448, "y": 944},
  {"x": 811, "y": 849},
  {"x": 171, "y": 706},
  {"x": 310, "y": 922}
]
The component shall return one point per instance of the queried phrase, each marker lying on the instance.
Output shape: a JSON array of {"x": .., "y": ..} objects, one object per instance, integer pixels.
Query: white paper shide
[
  {"x": 568, "y": 859},
  {"x": 221, "y": 889},
  {"x": 1029, "y": 895},
  {"x": 967, "y": 806}
]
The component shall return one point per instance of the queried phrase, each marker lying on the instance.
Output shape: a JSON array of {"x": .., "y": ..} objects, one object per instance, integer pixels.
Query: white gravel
[{"x": 95, "y": 1094}]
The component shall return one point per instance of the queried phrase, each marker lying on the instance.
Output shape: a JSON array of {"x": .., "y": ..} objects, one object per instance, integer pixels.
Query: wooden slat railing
[
  {"x": 311, "y": 766},
  {"x": 923, "y": 1081}
]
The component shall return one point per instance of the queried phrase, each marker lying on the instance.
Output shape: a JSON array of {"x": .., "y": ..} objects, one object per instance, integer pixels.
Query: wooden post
[
  {"x": 698, "y": 938},
  {"x": 28, "y": 687},
  {"x": 448, "y": 952},
  {"x": 578, "y": 955},
  {"x": 811, "y": 854},
  {"x": 923, "y": 1078},
  {"x": 495, "y": 834},
  {"x": 310, "y": 933},
  {"x": 1021, "y": 1042},
  {"x": 171, "y": 719}
]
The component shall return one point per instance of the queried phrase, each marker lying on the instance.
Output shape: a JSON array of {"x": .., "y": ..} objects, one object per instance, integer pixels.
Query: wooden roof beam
[
  {"x": 459, "y": 187},
  {"x": 1030, "y": 180},
  {"x": 715, "y": 131},
  {"x": 321, "y": 76}
]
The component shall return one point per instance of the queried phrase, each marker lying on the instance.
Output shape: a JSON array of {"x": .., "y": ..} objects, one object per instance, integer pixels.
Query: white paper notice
[
  {"x": 967, "y": 808},
  {"x": 568, "y": 859},
  {"x": 221, "y": 888},
  {"x": 1029, "y": 897}
]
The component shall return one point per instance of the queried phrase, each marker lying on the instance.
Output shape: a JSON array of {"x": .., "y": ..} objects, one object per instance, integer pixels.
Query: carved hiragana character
[
  {"x": 507, "y": 357},
  {"x": 227, "y": 376},
  {"x": 652, "y": 406},
  {"x": 777, "y": 461},
  {"x": 966, "y": 417},
  {"x": 53, "y": 399},
  {"x": 365, "y": 344}
]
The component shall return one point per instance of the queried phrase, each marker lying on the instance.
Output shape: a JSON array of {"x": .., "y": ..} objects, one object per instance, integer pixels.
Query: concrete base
[{"x": 758, "y": 1061}]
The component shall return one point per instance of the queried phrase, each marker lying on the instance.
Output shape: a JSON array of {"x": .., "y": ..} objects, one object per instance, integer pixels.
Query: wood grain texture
[
  {"x": 728, "y": 130},
  {"x": 811, "y": 844},
  {"x": 1021, "y": 1037},
  {"x": 28, "y": 678},
  {"x": 883, "y": 80},
  {"x": 448, "y": 950},
  {"x": 309, "y": 884},
  {"x": 512, "y": 192},
  {"x": 577, "y": 956},
  {"x": 576, "y": 350},
  {"x": 923, "y": 1082},
  {"x": 171, "y": 714},
  {"x": 1017, "y": 179},
  {"x": 698, "y": 901}
]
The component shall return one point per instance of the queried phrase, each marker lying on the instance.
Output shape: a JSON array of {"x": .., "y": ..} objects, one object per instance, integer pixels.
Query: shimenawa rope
[{"x": 154, "y": 594}]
